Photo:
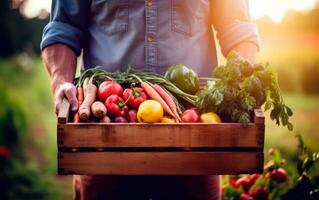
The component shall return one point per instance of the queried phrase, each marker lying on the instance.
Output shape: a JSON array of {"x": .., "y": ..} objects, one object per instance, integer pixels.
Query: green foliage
[
  {"x": 21, "y": 102},
  {"x": 12, "y": 120},
  {"x": 302, "y": 181},
  {"x": 307, "y": 183},
  {"x": 240, "y": 87}
]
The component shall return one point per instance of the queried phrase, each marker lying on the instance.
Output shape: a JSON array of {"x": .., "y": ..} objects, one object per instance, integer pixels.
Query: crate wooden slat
[
  {"x": 160, "y": 163},
  {"x": 159, "y": 135},
  {"x": 159, "y": 149}
]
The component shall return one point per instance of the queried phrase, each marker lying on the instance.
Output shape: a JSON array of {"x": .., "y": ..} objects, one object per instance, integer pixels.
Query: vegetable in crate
[
  {"x": 131, "y": 116},
  {"x": 107, "y": 88},
  {"x": 98, "y": 110},
  {"x": 120, "y": 119},
  {"x": 210, "y": 117},
  {"x": 153, "y": 94},
  {"x": 168, "y": 120},
  {"x": 136, "y": 95},
  {"x": 240, "y": 88},
  {"x": 190, "y": 116},
  {"x": 183, "y": 77},
  {"x": 89, "y": 98},
  {"x": 116, "y": 106},
  {"x": 150, "y": 111}
]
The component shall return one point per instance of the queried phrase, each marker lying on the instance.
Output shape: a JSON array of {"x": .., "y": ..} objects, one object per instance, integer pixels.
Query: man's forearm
[
  {"x": 247, "y": 50},
  {"x": 60, "y": 62}
]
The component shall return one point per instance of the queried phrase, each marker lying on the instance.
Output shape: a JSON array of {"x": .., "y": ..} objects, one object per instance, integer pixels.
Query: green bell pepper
[{"x": 184, "y": 78}]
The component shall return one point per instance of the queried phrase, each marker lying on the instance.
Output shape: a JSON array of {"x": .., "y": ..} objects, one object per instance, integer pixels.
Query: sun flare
[{"x": 276, "y": 9}]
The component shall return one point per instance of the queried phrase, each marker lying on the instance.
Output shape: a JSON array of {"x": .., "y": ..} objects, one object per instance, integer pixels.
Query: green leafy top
[{"x": 239, "y": 88}]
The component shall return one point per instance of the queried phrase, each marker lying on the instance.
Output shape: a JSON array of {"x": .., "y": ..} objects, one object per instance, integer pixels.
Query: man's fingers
[
  {"x": 58, "y": 101},
  {"x": 70, "y": 93}
]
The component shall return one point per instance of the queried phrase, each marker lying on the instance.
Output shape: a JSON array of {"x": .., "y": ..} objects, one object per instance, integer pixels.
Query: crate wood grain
[{"x": 159, "y": 149}]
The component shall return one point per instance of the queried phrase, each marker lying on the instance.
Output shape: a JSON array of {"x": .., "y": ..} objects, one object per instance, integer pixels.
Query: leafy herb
[{"x": 241, "y": 87}]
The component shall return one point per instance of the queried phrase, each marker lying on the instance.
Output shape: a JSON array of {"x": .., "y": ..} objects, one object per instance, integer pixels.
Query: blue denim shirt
[{"x": 149, "y": 34}]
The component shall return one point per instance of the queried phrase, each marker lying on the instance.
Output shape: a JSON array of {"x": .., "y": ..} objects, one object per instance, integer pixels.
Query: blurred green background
[{"x": 28, "y": 123}]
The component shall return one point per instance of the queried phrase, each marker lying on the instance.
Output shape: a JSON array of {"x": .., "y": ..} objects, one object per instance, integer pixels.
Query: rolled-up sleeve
[
  {"x": 233, "y": 24},
  {"x": 68, "y": 24}
]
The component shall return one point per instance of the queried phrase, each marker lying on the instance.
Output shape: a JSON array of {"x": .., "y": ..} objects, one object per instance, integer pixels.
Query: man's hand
[
  {"x": 67, "y": 90},
  {"x": 60, "y": 62},
  {"x": 247, "y": 50}
]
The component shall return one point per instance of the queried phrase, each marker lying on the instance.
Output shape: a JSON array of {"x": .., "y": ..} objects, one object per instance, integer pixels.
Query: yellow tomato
[
  {"x": 168, "y": 120},
  {"x": 210, "y": 117},
  {"x": 150, "y": 111}
]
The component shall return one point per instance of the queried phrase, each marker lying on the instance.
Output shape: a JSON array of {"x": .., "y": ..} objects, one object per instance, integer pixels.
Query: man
[{"x": 152, "y": 35}]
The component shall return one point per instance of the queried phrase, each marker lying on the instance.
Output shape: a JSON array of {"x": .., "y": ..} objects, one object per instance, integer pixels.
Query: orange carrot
[
  {"x": 169, "y": 101},
  {"x": 76, "y": 117},
  {"x": 151, "y": 92},
  {"x": 89, "y": 98},
  {"x": 80, "y": 97}
]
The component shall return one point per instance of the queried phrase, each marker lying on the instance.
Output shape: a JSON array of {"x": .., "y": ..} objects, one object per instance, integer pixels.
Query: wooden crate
[{"x": 159, "y": 149}]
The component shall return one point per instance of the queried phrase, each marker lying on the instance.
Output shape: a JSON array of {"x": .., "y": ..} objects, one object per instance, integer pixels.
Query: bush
[{"x": 19, "y": 178}]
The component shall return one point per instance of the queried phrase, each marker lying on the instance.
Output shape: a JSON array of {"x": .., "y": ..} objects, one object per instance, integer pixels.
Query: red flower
[{"x": 4, "y": 152}]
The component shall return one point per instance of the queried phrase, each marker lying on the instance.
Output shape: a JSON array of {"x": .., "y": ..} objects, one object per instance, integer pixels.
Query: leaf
[
  {"x": 268, "y": 105},
  {"x": 289, "y": 111},
  {"x": 290, "y": 126},
  {"x": 301, "y": 144},
  {"x": 244, "y": 118},
  {"x": 232, "y": 193}
]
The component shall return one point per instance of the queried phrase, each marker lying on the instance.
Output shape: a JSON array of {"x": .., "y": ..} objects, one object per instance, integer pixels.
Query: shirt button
[
  {"x": 150, "y": 38},
  {"x": 149, "y": 2}
]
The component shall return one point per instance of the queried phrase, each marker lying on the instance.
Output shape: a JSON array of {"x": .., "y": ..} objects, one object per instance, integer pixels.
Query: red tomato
[
  {"x": 232, "y": 181},
  {"x": 107, "y": 88},
  {"x": 278, "y": 175},
  {"x": 131, "y": 116},
  {"x": 243, "y": 182},
  {"x": 260, "y": 193},
  {"x": 190, "y": 116},
  {"x": 253, "y": 178}
]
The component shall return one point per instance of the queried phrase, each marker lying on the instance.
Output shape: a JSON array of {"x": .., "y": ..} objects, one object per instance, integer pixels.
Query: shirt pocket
[
  {"x": 185, "y": 16},
  {"x": 110, "y": 16}
]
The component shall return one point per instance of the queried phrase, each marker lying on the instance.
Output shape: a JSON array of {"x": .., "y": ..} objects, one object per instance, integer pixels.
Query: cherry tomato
[
  {"x": 243, "y": 182},
  {"x": 253, "y": 178},
  {"x": 190, "y": 116},
  {"x": 278, "y": 175},
  {"x": 259, "y": 193},
  {"x": 232, "y": 181},
  {"x": 107, "y": 88}
]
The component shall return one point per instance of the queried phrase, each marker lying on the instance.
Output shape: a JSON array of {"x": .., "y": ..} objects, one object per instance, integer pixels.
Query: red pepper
[
  {"x": 116, "y": 106},
  {"x": 137, "y": 94}
]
